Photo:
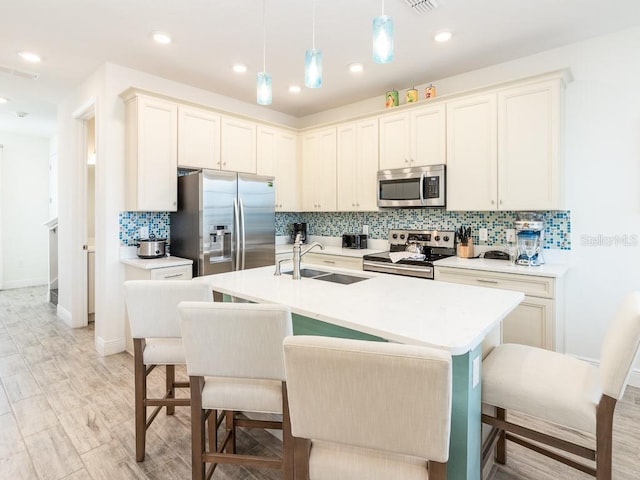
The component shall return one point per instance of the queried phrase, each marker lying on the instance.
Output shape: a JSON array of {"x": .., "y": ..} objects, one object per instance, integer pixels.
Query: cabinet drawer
[
  {"x": 533, "y": 286},
  {"x": 354, "y": 263},
  {"x": 182, "y": 272}
]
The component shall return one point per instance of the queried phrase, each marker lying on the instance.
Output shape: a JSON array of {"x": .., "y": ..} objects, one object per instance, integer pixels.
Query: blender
[{"x": 529, "y": 228}]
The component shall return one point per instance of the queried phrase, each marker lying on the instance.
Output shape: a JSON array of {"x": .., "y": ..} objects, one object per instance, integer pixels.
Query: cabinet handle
[
  {"x": 500, "y": 202},
  {"x": 493, "y": 202},
  {"x": 482, "y": 280},
  {"x": 406, "y": 160},
  {"x": 329, "y": 261},
  {"x": 173, "y": 276}
]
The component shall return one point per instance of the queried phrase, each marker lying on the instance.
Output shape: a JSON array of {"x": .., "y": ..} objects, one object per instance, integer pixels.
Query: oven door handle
[{"x": 422, "y": 178}]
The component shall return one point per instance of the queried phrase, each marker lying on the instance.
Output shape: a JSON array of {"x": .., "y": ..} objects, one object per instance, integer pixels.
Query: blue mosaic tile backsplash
[
  {"x": 557, "y": 231},
  {"x": 334, "y": 224},
  {"x": 130, "y": 223}
]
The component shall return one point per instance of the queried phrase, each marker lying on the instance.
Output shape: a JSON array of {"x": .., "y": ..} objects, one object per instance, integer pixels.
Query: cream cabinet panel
[
  {"x": 277, "y": 151},
  {"x": 354, "y": 263},
  {"x": 198, "y": 138},
  {"x": 530, "y": 323},
  {"x": 238, "y": 145},
  {"x": 395, "y": 141},
  {"x": 151, "y": 154},
  {"x": 319, "y": 171},
  {"x": 182, "y": 272},
  {"x": 357, "y": 167},
  {"x": 472, "y": 157},
  {"x": 428, "y": 135},
  {"x": 529, "y": 147},
  {"x": 536, "y": 320}
]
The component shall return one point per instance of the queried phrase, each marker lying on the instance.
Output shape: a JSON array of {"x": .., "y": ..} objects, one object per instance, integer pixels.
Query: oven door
[{"x": 412, "y": 187}]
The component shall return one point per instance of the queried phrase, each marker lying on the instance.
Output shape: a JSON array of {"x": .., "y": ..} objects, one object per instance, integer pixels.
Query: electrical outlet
[
  {"x": 511, "y": 235},
  {"x": 143, "y": 232},
  {"x": 483, "y": 234},
  {"x": 365, "y": 229}
]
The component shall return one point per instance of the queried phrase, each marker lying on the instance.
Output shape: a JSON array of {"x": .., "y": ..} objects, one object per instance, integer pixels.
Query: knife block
[{"x": 465, "y": 251}]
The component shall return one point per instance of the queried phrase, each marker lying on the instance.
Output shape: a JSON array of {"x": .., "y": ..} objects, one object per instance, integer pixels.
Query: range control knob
[
  {"x": 437, "y": 238},
  {"x": 402, "y": 236},
  {"x": 445, "y": 238},
  {"x": 395, "y": 235}
]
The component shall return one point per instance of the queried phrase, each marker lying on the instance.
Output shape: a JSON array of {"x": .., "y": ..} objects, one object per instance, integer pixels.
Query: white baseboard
[
  {"x": 634, "y": 378},
  {"x": 64, "y": 315},
  {"x": 27, "y": 282},
  {"x": 105, "y": 348}
]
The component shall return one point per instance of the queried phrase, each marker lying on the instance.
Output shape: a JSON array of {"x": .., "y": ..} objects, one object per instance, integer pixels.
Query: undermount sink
[{"x": 341, "y": 278}]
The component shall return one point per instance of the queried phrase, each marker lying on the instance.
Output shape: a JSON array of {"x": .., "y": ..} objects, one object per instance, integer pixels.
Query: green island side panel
[{"x": 309, "y": 326}]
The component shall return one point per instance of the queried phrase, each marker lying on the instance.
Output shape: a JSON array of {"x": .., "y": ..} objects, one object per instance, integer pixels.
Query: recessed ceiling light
[
  {"x": 162, "y": 38},
  {"x": 442, "y": 37},
  {"x": 356, "y": 67},
  {"x": 3, "y": 100},
  {"x": 30, "y": 57},
  {"x": 294, "y": 89},
  {"x": 239, "y": 68}
]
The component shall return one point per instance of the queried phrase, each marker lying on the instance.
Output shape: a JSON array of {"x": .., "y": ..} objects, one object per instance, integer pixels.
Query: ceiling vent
[
  {"x": 422, "y": 6},
  {"x": 19, "y": 73}
]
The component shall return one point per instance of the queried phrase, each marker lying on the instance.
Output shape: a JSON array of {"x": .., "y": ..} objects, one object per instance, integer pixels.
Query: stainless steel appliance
[
  {"x": 151, "y": 247},
  {"x": 225, "y": 221},
  {"x": 529, "y": 237},
  {"x": 299, "y": 228},
  {"x": 432, "y": 245},
  {"x": 412, "y": 187},
  {"x": 354, "y": 240}
]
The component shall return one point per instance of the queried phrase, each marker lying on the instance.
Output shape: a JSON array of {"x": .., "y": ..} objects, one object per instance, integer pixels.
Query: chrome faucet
[{"x": 298, "y": 253}]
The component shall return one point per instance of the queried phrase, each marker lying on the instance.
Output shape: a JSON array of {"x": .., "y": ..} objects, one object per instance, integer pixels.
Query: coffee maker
[
  {"x": 529, "y": 228},
  {"x": 300, "y": 228}
]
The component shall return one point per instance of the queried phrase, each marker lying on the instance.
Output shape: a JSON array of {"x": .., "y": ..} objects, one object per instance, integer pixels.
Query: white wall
[{"x": 24, "y": 201}]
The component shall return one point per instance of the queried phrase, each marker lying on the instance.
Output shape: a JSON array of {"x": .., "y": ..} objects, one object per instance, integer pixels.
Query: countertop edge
[
  {"x": 502, "y": 266},
  {"x": 152, "y": 263}
]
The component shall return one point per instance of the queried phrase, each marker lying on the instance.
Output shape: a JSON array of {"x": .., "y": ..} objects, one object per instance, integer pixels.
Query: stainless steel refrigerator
[{"x": 225, "y": 221}]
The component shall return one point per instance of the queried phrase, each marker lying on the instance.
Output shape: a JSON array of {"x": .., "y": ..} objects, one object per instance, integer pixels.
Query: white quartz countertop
[
  {"x": 400, "y": 309},
  {"x": 151, "y": 263},
  {"x": 503, "y": 266},
  {"x": 330, "y": 250}
]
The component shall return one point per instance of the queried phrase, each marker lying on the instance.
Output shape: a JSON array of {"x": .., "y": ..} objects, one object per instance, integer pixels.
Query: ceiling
[{"x": 74, "y": 37}]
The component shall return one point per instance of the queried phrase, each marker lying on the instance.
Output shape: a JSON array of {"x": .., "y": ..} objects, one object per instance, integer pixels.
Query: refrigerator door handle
[
  {"x": 242, "y": 233},
  {"x": 236, "y": 216}
]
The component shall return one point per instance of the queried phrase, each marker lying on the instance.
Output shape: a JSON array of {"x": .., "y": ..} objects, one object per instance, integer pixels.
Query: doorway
[{"x": 90, "y": 214}]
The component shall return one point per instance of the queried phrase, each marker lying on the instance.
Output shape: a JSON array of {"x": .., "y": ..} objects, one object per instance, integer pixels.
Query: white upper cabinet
[
  {"x": 198, "y": 138},
  {"x": 151, "y": 153},
  {"x": 503, "y": 149},
  {"x": 277, "y": 151},
  {"x": 529, "y": 147},
  {"x": 472, "y": 157},
  {"x": 319, "y": 171},
  {"x": 357, "y": 166},
  {"x": 415, "y": 137},
  {"x": 238, "y": 145}
]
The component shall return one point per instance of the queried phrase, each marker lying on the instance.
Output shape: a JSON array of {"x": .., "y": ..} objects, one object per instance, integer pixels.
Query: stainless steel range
[{"x": 421, "y": 247}]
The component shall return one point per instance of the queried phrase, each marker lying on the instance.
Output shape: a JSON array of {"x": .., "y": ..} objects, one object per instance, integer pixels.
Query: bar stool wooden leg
[
  {"x": 501, "y": 447},
  {"x": 171, "y": 392},
  {"x": 230, "y": 423},
  {"x": 197, "y": 429},
  {"x": 140, "y": 379}
]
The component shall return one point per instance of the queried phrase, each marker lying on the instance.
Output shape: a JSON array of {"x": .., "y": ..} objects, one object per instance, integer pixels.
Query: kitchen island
[{"x": 398, "y": 309}]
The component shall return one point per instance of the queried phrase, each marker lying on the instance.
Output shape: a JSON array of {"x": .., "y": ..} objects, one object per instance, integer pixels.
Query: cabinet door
[
  {"x": 394, "y": 141},
  {"x": 310, "y": 173},
  {"x": 347, "y": 168},
  {"x": 528, "y": 147},
  {"x": 366, "y": 180},
  {"x": 287, "y": 183},
  {"x": 531, "y": 323},
  {"x": 198, "y": 138},
  {"x": 326, "y": 165},
  {"x": 428, "y": 135},
  {"x": 266, "y": 151},
  {"x": 238, "y": 145},
  {"x": 472, "y": 153},
  {"x": 152, "y": 137}
]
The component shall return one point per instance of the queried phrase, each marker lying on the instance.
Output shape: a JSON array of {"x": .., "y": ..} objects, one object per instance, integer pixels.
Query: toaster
[{"x": 354, "y": 240}]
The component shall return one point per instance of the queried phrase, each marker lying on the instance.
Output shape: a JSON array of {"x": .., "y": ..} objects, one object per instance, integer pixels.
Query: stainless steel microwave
[{"x": 412, "y": 187}]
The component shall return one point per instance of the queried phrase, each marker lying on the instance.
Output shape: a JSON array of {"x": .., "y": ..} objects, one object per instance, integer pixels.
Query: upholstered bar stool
[
  {"x": 340, "y": 390},
  {"x": 235, "y": 364},
  {"x": 563, "y": 390},
  {"x": 152, "y": 306}
]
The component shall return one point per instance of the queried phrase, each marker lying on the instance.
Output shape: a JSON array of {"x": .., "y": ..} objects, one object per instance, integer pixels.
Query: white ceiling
[{"x": 74, "y": 37}]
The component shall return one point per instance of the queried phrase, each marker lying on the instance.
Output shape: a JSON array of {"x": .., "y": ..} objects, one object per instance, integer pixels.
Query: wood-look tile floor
[{"x": 67, "y": 413}]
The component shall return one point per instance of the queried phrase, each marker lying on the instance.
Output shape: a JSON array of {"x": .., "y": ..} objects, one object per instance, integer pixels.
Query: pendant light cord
[
  {"x": 264, "y": 36},
  {"x": 313, "y": 27},
  {"x": 383, "y": 7}
]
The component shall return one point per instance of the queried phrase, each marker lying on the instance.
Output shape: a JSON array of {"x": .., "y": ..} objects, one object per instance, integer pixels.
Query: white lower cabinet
[{"x": 537, "y": 321}]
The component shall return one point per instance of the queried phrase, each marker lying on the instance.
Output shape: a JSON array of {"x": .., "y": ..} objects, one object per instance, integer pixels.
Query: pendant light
[
  {"x": 264, "y": 86},
  {"x": 313, "y": 59},
  {"x": 382, "y": 38}
]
